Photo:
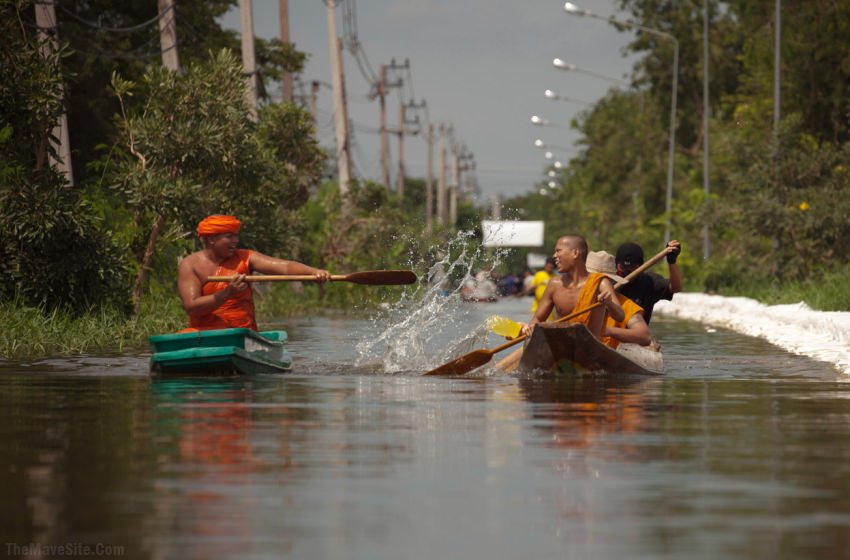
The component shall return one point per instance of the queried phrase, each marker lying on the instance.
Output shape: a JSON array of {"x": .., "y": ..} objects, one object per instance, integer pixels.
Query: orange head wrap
[{"x": 213, "y": 225}]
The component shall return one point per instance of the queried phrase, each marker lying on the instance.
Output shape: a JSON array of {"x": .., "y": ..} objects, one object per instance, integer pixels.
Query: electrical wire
[{"x": 110, "y": 29}]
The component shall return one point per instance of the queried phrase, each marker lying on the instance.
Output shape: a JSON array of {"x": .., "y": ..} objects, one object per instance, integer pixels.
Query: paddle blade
[
  {"x": 503, "y": 326},
  {"x": 382, "y": 277},
  {"x": 464, "y": 364}
]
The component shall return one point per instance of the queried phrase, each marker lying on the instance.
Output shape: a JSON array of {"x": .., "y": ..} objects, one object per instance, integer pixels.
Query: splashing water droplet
[{"x": 413, "y": 329}]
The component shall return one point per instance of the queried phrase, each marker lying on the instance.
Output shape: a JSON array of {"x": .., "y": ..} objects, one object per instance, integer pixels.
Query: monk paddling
[
  {"x": 577, "y": 289},
  {"x": 222, "y": 305}
]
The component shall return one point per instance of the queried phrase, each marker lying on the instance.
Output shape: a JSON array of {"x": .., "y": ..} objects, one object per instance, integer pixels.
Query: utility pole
[
  {"x": 343, "y": 155},
  {"x": 286, "y": 81},
  {"x": 248, "y": 58},
  {"x": 400, "y": 175},
  {"x": 453, "y": 190},
  {"x": 496, "y": 208},
  {"x": 168, "y": 34},
  {"x": 442, "y": 216},
  {"x": 706, "y": 183},
  {"x": 45, "y": 19},
  {"x": 777, "y": 106},
  {"x": 385, "y": 144},
  {"x": 429, "y": 182},
  {"x": 381, "y": 91},
  {"x": 314, "y": 94}
]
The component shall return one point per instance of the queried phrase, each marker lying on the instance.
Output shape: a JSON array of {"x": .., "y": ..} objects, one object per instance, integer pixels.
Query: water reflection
[{"x": 577, "y": 410}]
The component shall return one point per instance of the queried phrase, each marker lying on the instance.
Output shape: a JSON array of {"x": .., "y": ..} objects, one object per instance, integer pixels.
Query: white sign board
[{"x": 512, "y": 234}]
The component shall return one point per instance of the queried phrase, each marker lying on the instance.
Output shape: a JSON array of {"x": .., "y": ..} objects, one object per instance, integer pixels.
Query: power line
[{"x": 110, "y": 29}]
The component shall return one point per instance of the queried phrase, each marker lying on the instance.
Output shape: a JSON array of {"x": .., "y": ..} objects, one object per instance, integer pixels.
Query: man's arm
[
  {"x": 610, "y": 301},
  {"x": 673, "y": 250},
  {"x": 191, "y": 290},
  {"x": 637, "y": 331},
  {"x": 270, "y": 265}
]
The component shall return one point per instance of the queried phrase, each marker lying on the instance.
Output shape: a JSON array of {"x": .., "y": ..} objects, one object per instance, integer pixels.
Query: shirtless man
[
  {"x": 222, "y": 305},
  {"x": 577, "y": 289}
]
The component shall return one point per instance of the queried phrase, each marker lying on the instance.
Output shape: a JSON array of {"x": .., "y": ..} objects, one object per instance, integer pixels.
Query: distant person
[
  {"x": 577, "y": 289},
  {"x": 222, "y": 305},
  {"x": 479, "y": 288},
  {"x": 525, "y": 278},
  {"x": 633, "y": 327},
  {"x": 539, "y": 281},
  {"x": 509, "y": 285},
  {"x": 648, "y": 288}
]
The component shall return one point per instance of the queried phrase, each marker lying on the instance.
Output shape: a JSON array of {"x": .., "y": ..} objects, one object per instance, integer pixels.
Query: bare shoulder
[
  {"x": 192, "y": 266},
  {"x": 189, "y": 262}
]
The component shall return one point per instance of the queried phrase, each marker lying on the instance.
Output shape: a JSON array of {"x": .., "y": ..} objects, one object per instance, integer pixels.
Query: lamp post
[
  {"x": 549, "y": 147},
  {"x": 540, "y": 121},
  {"x": 568, "y": 67},
  {"x": 572, "y": 9},
  {"x": 706, "y": 182},
  {"x": 549, "y": 94}
]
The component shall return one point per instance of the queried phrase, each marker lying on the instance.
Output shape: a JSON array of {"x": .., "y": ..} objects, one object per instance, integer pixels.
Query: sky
[{"x": 481, "y": 65}]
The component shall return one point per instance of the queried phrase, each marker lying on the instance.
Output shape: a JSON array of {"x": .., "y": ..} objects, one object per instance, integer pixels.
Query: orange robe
[
  {"x": 238, "y": 310},
  {"x": 631, "y": 309},
  {"x": 587, "y": 297}
]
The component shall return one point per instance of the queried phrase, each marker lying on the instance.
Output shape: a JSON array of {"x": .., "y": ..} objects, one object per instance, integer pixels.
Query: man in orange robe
[
  {"x": 632, "y": 328},
  {"x": 577, "y": 289},
  {"x": 222, "y": 305}
]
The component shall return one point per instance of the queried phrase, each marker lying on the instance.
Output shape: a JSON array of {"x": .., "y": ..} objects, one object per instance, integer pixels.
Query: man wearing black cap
[{"x": 648, "y": 288}]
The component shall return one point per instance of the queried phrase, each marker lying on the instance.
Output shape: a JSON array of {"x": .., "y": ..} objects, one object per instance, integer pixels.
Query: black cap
[{"x": 629, "y": 254}]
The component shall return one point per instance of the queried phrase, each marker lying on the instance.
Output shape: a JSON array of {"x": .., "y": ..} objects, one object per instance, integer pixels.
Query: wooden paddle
[
  {"x": 478, "y": 358},
  {"x": 369, "y": 277}
]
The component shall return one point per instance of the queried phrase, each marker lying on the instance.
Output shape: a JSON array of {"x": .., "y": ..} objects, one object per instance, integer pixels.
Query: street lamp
[
  {"x": 544, "y": 146},
  {"x": 574, "y": 10},
  {"x": 540, "y": 121},
  {"x": 549, "y": 94},
  {"x": 568, "y": 67}
]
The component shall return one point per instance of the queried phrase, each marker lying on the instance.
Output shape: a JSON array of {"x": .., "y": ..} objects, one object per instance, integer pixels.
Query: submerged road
[{"x": 737, "y": 451}]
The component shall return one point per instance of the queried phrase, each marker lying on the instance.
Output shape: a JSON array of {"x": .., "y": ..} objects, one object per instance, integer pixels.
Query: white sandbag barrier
[{"x": 822, "y": 335}]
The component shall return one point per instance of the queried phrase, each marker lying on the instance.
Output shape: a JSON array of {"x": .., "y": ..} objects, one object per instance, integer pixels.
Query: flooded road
[{"x": 739, "y": 450}]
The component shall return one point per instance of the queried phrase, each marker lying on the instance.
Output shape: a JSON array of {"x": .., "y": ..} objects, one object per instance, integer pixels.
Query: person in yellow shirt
[{"x": 538, "y": 283}]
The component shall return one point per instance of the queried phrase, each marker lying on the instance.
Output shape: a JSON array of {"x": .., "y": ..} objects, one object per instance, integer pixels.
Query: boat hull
[
  {"x": 220, "y": 352},
  {"x": 571, "y": 348}
]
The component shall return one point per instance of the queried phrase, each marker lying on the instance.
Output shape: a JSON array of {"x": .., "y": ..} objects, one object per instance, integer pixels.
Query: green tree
[
  {"x": 106, "y": 36},
  {"x": 191, "y": 149},
  {"x": 52, "y": 250}
]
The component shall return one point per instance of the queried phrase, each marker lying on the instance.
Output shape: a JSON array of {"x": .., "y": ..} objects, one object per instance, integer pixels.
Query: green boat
[{"x": 220, "y": 352}]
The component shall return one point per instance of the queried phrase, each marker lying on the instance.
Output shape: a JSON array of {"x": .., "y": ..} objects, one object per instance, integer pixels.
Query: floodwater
[{"x": 740, "y": 450}]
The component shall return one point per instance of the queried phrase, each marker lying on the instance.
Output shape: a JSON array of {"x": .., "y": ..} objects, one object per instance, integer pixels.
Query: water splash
[{"x": 419, "y": 321}]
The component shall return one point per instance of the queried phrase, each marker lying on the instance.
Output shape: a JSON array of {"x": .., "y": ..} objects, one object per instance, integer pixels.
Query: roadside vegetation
[{"x": 92, "y": 267}]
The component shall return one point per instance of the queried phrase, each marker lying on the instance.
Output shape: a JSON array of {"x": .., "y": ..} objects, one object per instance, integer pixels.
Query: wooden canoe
[
  {"x": 220, "y": 352},
  {"x": 571, "y": 348}
]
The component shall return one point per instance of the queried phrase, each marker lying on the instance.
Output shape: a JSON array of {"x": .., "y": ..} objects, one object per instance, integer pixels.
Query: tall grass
[
  {"x": 824, "y": 291},
  {"x": 32, "y": 332},
  {"x": 28, "y": 332}
]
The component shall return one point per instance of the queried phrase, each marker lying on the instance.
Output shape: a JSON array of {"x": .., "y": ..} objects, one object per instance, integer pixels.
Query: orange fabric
[
  {"x": 213, "y": 225},
  {"x": 587, "y": 297},
  {"x": 631, "y": 309},
  {"x": 238, "y": 311}
]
